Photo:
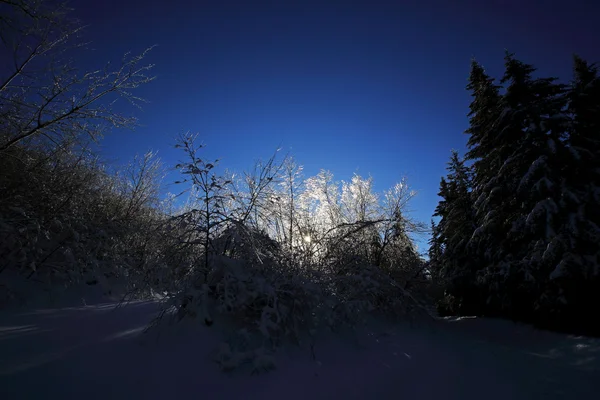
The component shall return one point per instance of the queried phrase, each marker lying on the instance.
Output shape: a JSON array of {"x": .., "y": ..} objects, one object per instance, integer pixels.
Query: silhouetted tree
[
  {"x": 454, "y": 264},
  {"x": 533, "y": 200},
  {"x": 44, "y": 98}
]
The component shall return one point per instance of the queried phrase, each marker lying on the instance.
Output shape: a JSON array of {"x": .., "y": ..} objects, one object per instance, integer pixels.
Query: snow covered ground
[{"x": 99, "y": 352}]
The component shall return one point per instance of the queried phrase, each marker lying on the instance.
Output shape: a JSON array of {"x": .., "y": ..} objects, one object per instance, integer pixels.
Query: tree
[
  {"x": 50, "y": 112},
  {"x": 534, "y": 220},
  {"x": 484, "y": 116},
  {"x": 529, "y": 186},
  {"x": 574, "y": 280},
  {"x": 44, "y": 98},
  {"x": 322, "y": 221},
  {"x": 452, "y": 259},
  {"x": 282, "y": 218},
  {"x": 207, "y": 214},
  {"x": 394, "y": 242},
  {"x": 436, "y": 249},
  {"x": 515, "y": 145},
  {"x": 484, "y": 151},
  {"x": 583, "y": 171},
  {"x": 141, "y": 183}
]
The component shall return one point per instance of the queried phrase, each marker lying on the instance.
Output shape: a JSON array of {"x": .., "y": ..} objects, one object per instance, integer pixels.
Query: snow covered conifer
[
  {"x": 583, "y": 172},
  {"x": 522, "y": 197},
  {"x": 574, "y": 281},
  {"x": 485, "y": 151},
  {"x": 454, "y": 264}
]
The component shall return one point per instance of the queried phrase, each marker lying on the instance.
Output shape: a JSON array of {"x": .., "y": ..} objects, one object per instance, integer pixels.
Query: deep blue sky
[{"x": 374, "y": 87}]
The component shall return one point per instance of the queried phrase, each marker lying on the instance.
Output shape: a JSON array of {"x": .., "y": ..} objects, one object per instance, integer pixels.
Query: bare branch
[{"x": 44, "y": 96}]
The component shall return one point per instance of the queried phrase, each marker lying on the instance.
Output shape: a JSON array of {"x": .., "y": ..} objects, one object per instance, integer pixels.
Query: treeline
[{"x": 518, "y": 233}]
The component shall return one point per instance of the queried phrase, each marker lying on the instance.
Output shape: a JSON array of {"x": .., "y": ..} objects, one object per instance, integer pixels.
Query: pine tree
[
  {"x": 435, "y": 245},
  {"x": 583, "y": 174},
  {"x": 535, "y": 219},
  {"x": 486, "y": 151},
  {"x": 484, "y": 115},
  {"x": 441, "y": 211},
  {"x": 515, "y": 143},
  {"x": 574, "y": 283},
  {"x": 454, "y": 263},
  {"x": 518, "y": 206},
  {"x": 533, "y": 173}
]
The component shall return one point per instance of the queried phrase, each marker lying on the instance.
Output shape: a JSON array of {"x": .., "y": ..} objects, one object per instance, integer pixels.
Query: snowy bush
[
  {"x": 56, "y": 197},
  {"x": 261, "y": 300},
  {"x": 282, "y": 258},
  {"x": 65, "y": 220},
  {"x": 272, "y": 305}
]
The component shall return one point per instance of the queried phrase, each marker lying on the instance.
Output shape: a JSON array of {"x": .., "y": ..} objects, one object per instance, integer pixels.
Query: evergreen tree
[
  {"x": 583, "y": 172},
  {"x": 454, "y": 263},
  {"x": 532, "y": 245},
  {"x": 435, "y": 246},
  {"x": 438, "y": 238},
  {"x": 519, "y": 143},
  {"x": 521, "y": 234},
  {"x": 517, "y": 206},
  {"x": 485, "y": 114},
  {"x": 486, "y": 150},
  {"x": 573, "y": 290}
]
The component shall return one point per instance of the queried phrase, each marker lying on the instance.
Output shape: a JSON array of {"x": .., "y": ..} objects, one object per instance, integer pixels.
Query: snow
[
  {"x": 559, "y": 271},
  {"x": 575, "y": 153},
  {"x": 506, "y": 165},
  {"x": 543, "y": 182},
  {"x": 100, "y": 351},
  {"x": 550, "y": 251},
  {"x": 505, "y": 111},
  {"x": 545, "y": 207},
  {"x": 538, "y": 163},
  {"x": 478, "y": 231},
  {"x": 568, "y": 194},
  {"x": 552, "y": 145}
]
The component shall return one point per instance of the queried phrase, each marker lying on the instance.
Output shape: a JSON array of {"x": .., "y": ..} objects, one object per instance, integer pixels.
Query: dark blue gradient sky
[{"x": 374, "y": 87}]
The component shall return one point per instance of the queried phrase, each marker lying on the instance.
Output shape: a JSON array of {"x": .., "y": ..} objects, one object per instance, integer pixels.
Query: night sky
[{"x": 373, "y": 87}]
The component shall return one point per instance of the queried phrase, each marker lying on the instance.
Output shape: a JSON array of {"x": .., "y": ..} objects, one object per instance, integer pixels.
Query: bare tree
[
  {"x": 141, "y": 183},
  {"x": 278, "y": 212},
  {"x": 209, "y": 193},
  {"x": 257, "y": 190},
  {"x": 44, "y": 98}
]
